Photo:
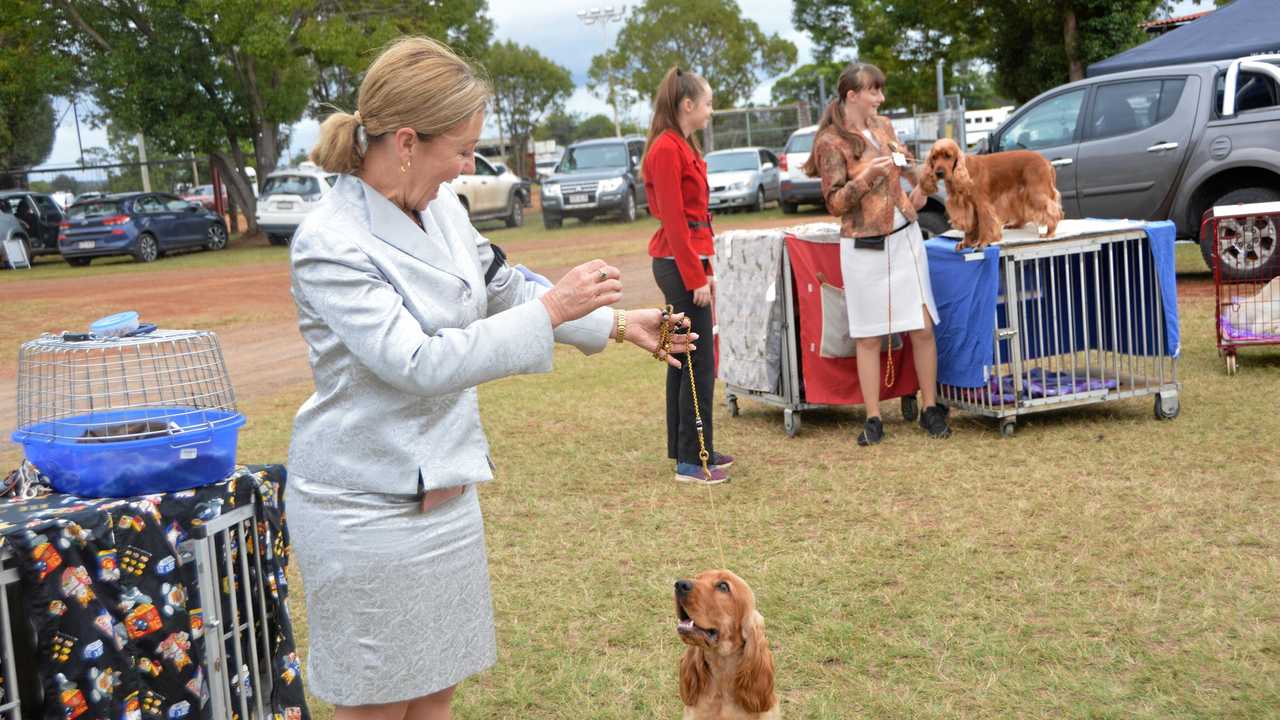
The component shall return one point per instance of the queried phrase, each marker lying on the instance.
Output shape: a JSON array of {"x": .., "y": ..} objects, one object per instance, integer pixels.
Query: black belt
[
  {"x": 694, "y": 224},
  {"x": 876, "y": 242}
]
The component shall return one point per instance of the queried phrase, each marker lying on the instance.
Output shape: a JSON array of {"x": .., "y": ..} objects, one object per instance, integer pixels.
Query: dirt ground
[{"x": 252, "y": 311}]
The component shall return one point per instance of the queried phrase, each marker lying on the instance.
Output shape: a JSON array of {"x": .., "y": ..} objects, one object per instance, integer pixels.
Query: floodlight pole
[{"x": 603, "y": 16}]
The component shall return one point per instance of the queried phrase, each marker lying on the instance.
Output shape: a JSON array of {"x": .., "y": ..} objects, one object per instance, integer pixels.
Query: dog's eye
[{"x": 722, "y": 586}]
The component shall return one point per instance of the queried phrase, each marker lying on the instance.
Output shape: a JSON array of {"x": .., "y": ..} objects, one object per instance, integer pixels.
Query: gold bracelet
[{"x": 621, "y": 317}]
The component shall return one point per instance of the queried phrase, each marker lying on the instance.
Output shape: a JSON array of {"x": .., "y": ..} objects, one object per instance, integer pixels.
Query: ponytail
[{"x": 338, "y": 150}]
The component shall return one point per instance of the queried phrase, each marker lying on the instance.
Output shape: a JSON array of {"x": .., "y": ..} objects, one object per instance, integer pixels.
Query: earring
[{"x": 406, "y": 165}]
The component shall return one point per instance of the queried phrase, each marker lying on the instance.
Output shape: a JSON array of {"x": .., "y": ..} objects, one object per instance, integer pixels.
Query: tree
[
  {"x": 206, "y": 76},
  {"x": 29, "y": 76},
  {"x": 802, "y": 84},
  {"x": 526, "y": 86},
  {"x": 599, "y": 125},
  {"x": 905, "y": 39},
  {"x": 1043, "y": 45},
  {"x": 558, "y": 125},
  {"x": 342, "y": 41},
  {"x": 709, "y": 37}
]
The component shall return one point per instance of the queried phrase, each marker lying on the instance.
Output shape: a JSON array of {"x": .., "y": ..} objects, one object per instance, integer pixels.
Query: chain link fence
[{"x": 767, "y": 127}]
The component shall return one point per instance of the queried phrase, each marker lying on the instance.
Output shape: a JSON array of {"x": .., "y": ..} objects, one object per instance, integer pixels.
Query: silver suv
[{"x": 1163, "y": 143}]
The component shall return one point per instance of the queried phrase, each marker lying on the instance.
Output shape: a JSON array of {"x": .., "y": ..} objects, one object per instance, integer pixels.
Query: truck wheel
[
  {"x": 788, "y": 208},
  {"x": 1250, "y": 251},
  {"x": 629, "y": 208}
]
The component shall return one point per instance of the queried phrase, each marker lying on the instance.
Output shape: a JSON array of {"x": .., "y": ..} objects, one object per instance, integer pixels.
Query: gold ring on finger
[{"x": 604, "y": 275}]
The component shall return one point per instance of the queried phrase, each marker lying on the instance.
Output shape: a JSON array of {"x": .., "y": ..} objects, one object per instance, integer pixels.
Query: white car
[
  {"x": 493, "y": 192},
  {"x": 798, "y": 188},
  {"x": 742, "y": 178},
  {"x": 287, "y": 196}
]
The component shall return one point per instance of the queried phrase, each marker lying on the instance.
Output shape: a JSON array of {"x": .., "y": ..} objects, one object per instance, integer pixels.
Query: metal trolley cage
[
  {"x": 1246, "y": 264},
  {"x": 790, "y": 394},
  {"x": 1078, "y": 321},
  {"x": 241, "y": 625},
  {"x": 239, "y": 667}
]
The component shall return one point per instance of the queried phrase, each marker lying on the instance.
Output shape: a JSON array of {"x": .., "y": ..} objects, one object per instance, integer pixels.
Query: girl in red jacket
[{"x": 675, "y": 181}]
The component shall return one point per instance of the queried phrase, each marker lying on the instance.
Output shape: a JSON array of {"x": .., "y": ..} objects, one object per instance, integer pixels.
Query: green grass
[{"x": 1100, "y": 564}]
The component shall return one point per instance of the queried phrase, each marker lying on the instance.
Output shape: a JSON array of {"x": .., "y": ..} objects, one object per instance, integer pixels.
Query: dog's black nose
[
  {"x": 941, "y": 175},
  {"x": 683, "y": 587}
]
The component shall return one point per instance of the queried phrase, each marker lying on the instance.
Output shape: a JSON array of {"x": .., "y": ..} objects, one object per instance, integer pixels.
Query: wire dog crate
[
  {"x": 1079, "y": 320},
  {"x": 1246, "y": 276},
  {"x": 228, "y": 554},
  {"x": 124, "y": 416}
]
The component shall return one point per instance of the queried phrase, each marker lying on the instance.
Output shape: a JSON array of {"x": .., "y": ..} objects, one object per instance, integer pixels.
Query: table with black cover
[{"x": 118, "y": 620}]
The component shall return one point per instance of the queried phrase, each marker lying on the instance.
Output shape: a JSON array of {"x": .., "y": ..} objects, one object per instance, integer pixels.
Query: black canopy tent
[{"x": 1245, "y": 27}]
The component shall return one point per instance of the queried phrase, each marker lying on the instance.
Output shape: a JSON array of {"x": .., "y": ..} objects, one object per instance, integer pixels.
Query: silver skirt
[{"x": 398, "y": 601}]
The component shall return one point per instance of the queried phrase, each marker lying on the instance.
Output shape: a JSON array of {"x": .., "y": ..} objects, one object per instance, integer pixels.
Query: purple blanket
[
  {"x": 1231, "y": 332},
  {"x": 1040, "y": 383}
]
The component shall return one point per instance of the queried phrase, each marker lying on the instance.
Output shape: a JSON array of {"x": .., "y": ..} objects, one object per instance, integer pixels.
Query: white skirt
[{"x": 887, "y": 290}]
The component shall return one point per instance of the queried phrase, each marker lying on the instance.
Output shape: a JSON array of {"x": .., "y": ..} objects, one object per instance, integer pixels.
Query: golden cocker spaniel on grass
[
  {"x": 726, "y": 672},
  {"x": 987, "y": 193}
]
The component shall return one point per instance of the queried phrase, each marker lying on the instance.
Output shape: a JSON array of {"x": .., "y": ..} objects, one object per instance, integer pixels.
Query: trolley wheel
[
  {"x": 1231, "y": 364},
  {"x": 732, "y": 402},
  {"x": 791, "y": 422},
  {"x": 910, "y": 408},
  {"x": 1168, "y": 410},
  {"x": 1008, "y": 427}
]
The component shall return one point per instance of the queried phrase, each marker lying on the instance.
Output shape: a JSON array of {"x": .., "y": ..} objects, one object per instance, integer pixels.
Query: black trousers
[{"x": 682, "y": 434}]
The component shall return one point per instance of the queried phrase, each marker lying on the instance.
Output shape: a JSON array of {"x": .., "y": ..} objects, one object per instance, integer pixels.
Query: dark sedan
[{"x": 143, "y": 225}]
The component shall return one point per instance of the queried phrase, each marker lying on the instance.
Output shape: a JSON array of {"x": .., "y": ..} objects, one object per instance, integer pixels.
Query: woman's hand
[
  {"x": 642, "y": 330},
  {"x": 878, "y": 168},
  {"x": 591, "y": 285},
  {"x": 702, "y": 296}
]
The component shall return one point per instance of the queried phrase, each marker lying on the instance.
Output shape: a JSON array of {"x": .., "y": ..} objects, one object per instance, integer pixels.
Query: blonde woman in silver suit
[{"x": 406, "y": 308}]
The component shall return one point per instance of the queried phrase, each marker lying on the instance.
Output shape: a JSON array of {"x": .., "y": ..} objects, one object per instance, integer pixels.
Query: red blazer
[{"x": 675, "y": 182}]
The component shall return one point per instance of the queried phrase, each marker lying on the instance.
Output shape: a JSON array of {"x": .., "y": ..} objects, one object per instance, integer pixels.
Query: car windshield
[
  {"x": 801, "y": 143},
  {"x": 93, "y": 208},
  {"x": 594, "y": 157},
  {"x": 202, "y": 190},
  {"x": 291, "y": 185},
  {"x": 733, "y": 162}
]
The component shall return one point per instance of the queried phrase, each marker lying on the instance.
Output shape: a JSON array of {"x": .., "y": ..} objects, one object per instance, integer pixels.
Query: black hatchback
[{"x": 144, "y": 225}]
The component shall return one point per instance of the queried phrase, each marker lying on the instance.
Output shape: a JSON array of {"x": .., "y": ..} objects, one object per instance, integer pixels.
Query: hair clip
[
  {"x": 362, "y": 140},
  {"x": 679, "y": 72}
]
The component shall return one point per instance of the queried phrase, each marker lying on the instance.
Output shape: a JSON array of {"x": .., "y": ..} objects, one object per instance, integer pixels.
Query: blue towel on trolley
[{"x": 968, "y": 295}]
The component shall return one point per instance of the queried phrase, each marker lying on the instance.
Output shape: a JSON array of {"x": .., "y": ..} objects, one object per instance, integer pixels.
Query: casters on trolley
[
  {"x": 910, "y": 408},
  {"x": 1231, "y": 363},
  {"x": 791, "y": 421},
  {"x": 1167, "y": 405},
  {"x": 1008, "y": 427},
  {"x": 732, "y": 402}
]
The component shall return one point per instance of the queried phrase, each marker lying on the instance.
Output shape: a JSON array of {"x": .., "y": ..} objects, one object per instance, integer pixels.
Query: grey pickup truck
[{"x": 1163, "y": 143}]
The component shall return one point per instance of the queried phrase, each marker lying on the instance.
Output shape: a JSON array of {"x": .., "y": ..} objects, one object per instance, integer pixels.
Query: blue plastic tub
[{"x": 204, "y": 452}]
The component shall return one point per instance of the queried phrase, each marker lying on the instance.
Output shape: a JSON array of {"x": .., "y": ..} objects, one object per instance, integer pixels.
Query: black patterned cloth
[{"x": 120, "y": 626}]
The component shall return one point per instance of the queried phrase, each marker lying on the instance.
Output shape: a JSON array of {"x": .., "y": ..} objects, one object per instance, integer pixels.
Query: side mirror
[
  {"x": 980, "y": 147},
  {"x": 767, "y": 166},
  {"x": 500, "y": 168},
  {"x": 635, "y": 160}
]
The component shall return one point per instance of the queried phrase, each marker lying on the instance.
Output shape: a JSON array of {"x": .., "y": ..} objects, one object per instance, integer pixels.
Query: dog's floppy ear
[
  {"x": 960, "y": 178},
  {"x": 695, "y": 675},
  {"x": 753, "y": 685}
]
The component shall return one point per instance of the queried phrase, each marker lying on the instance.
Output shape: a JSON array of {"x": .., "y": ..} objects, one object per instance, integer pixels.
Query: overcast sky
[{"x": 551, "y": 27}]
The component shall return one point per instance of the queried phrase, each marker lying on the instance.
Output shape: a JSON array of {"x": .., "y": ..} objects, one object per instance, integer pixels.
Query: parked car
[
  {"x": 90, "y": 195},
  {"x": 287, "y": 196},
  {"x": 595, "y": 178},
  {"x": 493, "y": 192},
  {"x": 40, "y": 216},
  {"x": 544, "y": 168},
  {"x": 1163, "y": 143},
  {"x": 743, "y": 177},
  {"x": 144, "y": 225},
  {"x": 797, "y": 188},
  {"x": 203, "y": 194},
  {"x": 11, "y": 228}
]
